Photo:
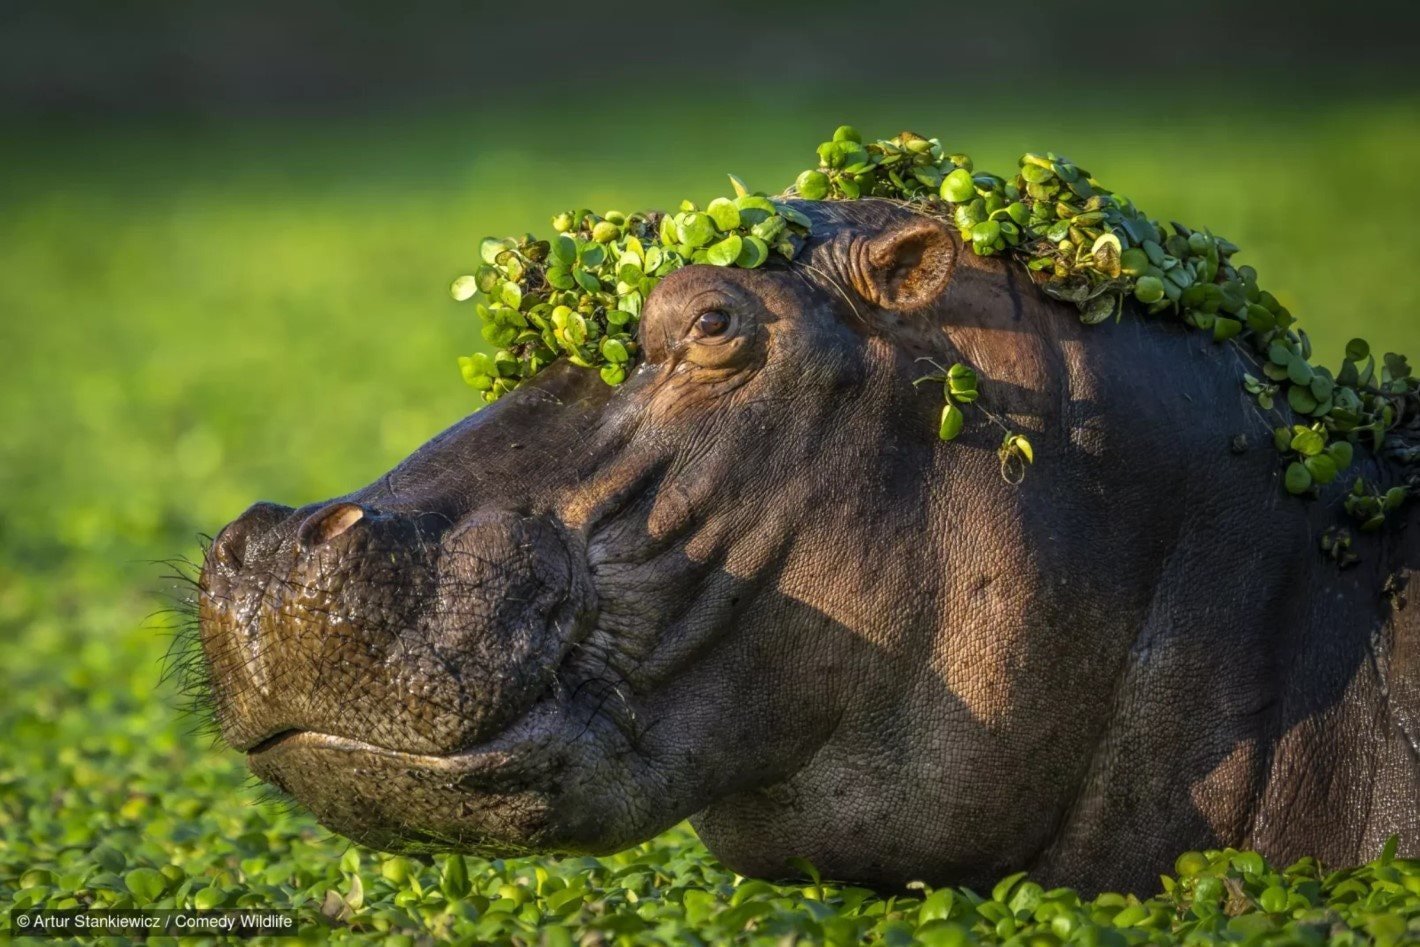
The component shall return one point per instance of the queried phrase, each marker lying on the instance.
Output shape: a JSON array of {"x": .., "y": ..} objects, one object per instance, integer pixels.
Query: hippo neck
[{"x": 1237, "y": 618}]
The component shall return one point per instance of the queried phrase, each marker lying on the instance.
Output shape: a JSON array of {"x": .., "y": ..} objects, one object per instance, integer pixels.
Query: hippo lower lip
[{"x": 294, "y": 738}]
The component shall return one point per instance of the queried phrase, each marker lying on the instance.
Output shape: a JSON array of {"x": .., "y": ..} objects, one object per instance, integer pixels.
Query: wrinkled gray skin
[{"x": 751, "y": 587}]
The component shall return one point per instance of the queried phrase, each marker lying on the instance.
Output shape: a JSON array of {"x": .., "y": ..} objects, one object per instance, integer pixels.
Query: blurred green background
[{"x": 225, "y": 252}]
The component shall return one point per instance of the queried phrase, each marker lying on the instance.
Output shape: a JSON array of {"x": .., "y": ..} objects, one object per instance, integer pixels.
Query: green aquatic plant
[{"x": 579, "y": 296}]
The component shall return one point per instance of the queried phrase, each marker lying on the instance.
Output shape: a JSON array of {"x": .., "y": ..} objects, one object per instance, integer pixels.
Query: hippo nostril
[
  {"x": 230, "y": 547},
  {"x": 327, "y": 523}
]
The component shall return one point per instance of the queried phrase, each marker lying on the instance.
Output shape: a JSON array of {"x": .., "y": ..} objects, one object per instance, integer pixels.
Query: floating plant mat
[{"x": 578, "y": 296}]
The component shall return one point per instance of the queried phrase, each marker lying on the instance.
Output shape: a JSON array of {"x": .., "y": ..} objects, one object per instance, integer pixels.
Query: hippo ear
[{"x": 909, "y": 266}]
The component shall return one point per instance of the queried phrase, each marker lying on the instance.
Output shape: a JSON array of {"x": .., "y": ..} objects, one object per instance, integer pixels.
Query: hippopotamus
[{"x": 752, "y": 587}]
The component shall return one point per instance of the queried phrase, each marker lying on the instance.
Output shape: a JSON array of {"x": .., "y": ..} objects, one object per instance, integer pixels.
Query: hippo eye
[{"x": 711, "y": 323}]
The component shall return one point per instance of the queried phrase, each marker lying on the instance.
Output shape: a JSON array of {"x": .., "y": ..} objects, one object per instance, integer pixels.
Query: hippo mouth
[
  {"x": 271, "y": 747},
  {"x": 408, "y": 688},
  {"x": 499, "y": 798}
]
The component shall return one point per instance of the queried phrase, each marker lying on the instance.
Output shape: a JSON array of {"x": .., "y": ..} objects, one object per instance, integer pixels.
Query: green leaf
[
  {"x": 953, "y": 420},
  {"x": 454, "y": 882},
  {"x": 753, "y": 253},
  {"x": 1225, "y": 328},
  {"x": 1341, "y": 454},
  {"x": 812, "y": 185},
  {"x": 1388, "y": 851},
  {"x": 564, "y": 248},
  {"x": 1322, "y": 468},
  {"x": 464, "y": 288},
  {"x": 695, "y": 229},
  {"x": 490, "y": 249},
  {"x": 1099, "y": 309},
  {"x": 1301, "y": 400},
  {"x": 512, "y": 295},
  {"x": 1002, "y": 891},
  {"x": 1149, "y": 289},
  {"x": 587, "y": 280},
  {"x": 1308, "y": 442},
  {"x": 726, "y": 252},
  {"x": 1358, "y": 350},
  {"x": 740, "y": 189},
  {"x": 146, "y": 884},
  {"x": 1299, "y": 371},
  {"x": 592, "y": 255},
  {"x": 1299, "y": 479},
  {"x": 613, "y": 350},
  {"x": 560, "y": 278},
  {"x": 958, "y": 187},
  {"x": 725, "y": 214}
]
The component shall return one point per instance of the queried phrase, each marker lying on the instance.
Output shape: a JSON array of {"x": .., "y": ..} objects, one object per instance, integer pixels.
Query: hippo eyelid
[{"x": 700, "y": 305}]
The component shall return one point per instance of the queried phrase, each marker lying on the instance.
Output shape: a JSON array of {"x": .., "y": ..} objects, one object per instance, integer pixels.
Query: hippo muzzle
[{"x": 381, "y": 666}]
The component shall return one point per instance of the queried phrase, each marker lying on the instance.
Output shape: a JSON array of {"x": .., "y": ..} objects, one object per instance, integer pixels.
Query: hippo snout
[{"x": 397, "y": 631}]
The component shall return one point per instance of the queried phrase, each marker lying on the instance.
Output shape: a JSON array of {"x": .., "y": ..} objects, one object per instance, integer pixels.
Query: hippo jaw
[{"x": 400, "y": 679}]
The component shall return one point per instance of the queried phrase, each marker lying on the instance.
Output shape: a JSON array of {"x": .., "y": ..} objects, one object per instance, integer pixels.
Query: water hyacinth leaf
[
  {"x": 560, "y": 278},
  {"x": 1148, "y": 289},
  {"x": 1225, "y": 328},
  {"x": 1308, "y": 442},
  {"x": 464, "y": 288},
  {"x": 812, "y": 185},
  {"x": 1099, "y": 309},
  {"x": 753, "y": 253},
  {"x": 958, "y": 186},
  {"x": 1298, "y": 479},
  {"x": 1019, "y": 444},
  {"x": 1301, "y": 400},
  {"x": 695, "y": 229},
  {"x": 146, "y": 884},
  {"x": 587, "y": 280},
  {"x": 1341, "y": 453},
  {"x": 591, "y": 255},
  {"x": 1322, "y": 469},
  {"x": 490, "y": 249},
  {"x": 511, "y": 294},
  {"x": 613, "y": 350},
  {"x": 564, "y": 248},
  {"x": 792, "y": 214},
  {"x": 1299, "y": 371},
  {"x": 952, "y": 422},
  {"x": 1106, "y": 251},
  {"x": 724, "y": 213},
  {"x": 725, "y": 252},
  {"x": 1133, "y": 262}
]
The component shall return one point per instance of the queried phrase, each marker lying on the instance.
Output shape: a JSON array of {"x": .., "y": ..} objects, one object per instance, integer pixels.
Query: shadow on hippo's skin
[
  {"x": 797, "y": 736},
  {"x": 797, "y": 744}
]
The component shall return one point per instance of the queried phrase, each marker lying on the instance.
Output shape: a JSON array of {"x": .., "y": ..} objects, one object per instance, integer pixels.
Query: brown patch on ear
[{"x": 908, "y": 267}]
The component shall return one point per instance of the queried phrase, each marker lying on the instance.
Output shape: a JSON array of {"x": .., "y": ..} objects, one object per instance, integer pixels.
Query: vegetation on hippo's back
[{"x": 1084, "y": 244}]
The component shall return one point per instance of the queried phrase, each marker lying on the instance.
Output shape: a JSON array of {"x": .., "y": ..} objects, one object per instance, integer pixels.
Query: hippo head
[{"x": 749, "y": 585}]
